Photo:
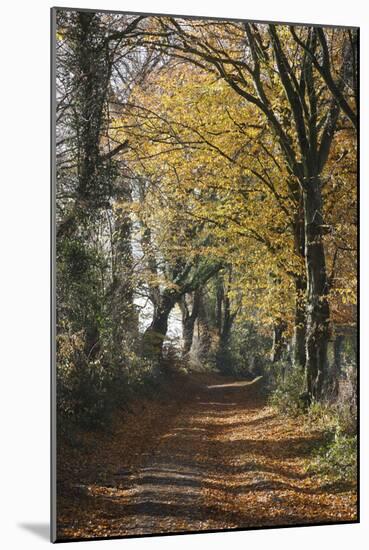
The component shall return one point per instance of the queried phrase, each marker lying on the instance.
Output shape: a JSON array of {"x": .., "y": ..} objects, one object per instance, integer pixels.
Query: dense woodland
[{"x": 206, "y": 211}]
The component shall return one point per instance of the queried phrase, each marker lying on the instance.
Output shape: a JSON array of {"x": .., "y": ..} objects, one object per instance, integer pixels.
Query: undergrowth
[
  {"x": 337, "y": 459},
  {"x": 336, "y": 419}
]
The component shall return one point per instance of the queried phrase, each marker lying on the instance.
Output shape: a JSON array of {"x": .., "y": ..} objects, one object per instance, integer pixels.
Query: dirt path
[{"x": 225, "y": 460}]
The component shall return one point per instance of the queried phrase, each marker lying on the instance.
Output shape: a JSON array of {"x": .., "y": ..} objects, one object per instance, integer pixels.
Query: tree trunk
[
  {"x": 223, "y": 355},
  {"x": 337, "y": 367},
  {"x": 317, "y": 330},
  {"x": 122, "y": 307},
  {"x": 204, "y": 334},
  {"x": 279, "y": 341},
  {"x": 92, "y": 340},
  {"x": 92, "y": 74},
  {"x": 338, "y": 348},
  {"x": 299, "y": 357},
  {"x": 219, "y": 303},
  {"x": 154, "y": 335},
  {"x": 187, "y": 332},
  {"x": 188, "y": 320},
  {"x": 299, "y": 335},
  {"x": 91, "y": 69}
]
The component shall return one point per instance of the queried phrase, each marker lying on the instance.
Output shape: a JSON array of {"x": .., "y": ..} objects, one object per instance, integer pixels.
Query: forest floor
[{"x": 207, "y": 454}]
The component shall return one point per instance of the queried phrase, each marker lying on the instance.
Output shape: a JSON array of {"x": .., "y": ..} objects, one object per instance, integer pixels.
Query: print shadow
[{"x": 42, "y": 530}]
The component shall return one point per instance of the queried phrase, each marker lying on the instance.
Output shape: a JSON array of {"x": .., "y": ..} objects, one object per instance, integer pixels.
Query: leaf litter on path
[{"x": 208, "y": 455}]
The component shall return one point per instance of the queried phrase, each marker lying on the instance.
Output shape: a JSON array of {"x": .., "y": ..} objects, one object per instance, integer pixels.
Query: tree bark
[
  {"x": 223, "y": 355},
  {"x": 299, "y": 337},
  {"x": 279, "y": 341},
  {"x": 337, "y": 366},
  {"x": 89, "y": 63},
  {"x": 317, "y": 331},
  {"x": 93, "y": 73},
  {"x": 154, "y": 335},
  {"x": 338, "y": 347},
  {"x": 125, "y": 322},
  {"x": 204, "y": 334},
  {"x": 188, "y": 320},
  {"x": 92, "y": 69}
]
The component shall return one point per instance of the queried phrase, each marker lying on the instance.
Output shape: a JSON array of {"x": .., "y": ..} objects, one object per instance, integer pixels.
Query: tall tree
[{"x": 304, "y": 126}]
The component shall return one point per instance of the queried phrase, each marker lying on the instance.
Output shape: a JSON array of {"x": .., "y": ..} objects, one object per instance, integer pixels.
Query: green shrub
[
  {"x": 247, "y": 354},
  {"x": 288, "y": 396},
  {"x": 338, "y": 458},
  {"x": 322, "y": 416},
  {"x": 89, "y": 390}
]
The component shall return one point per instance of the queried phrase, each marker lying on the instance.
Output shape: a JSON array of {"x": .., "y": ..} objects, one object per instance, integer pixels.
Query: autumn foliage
[{"x": 206, "y": 222}]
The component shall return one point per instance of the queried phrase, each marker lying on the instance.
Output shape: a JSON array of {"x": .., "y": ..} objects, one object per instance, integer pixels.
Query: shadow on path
[{"x": 226, "y": 460}]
